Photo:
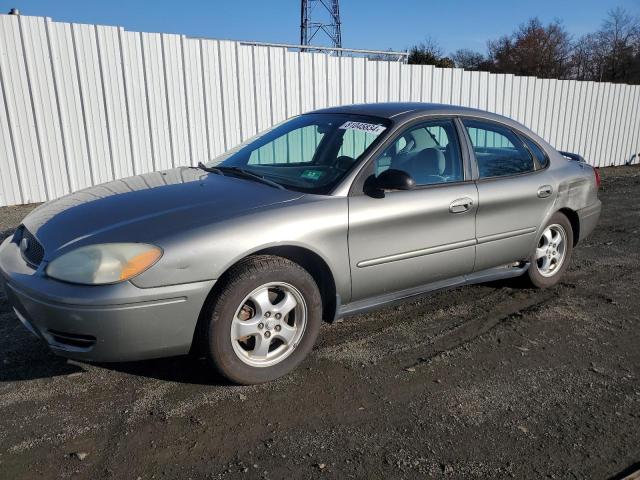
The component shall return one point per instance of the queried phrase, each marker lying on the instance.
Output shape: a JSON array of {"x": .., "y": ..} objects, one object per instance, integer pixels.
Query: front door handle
[
  {"x": 461, "y": 205},
  {"x": 544, "y": 191}
]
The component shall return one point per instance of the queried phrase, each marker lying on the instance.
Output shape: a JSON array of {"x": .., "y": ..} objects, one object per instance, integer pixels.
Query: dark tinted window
[
  {"x": 543, "y": 159},
  {"x": 429, "y": 152},
  {"x": 498, "y": 150}
]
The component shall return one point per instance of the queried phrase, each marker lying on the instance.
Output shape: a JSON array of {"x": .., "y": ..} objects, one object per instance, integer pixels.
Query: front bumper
[
  {"x": 589, "y": 217},
  {"x": 106, "y": 323}
]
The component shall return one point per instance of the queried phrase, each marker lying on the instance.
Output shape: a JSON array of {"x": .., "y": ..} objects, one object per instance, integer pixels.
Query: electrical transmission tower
[{"x": 314, "y": 20}]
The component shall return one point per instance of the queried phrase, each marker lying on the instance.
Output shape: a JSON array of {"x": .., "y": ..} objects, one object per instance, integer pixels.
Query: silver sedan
[{"x": 328, "y": 214}]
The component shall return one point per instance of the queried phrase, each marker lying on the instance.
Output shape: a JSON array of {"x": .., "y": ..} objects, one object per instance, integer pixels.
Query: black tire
[
  {"x": 534, "y": 277},
  {"x": 245, "y": 277}
]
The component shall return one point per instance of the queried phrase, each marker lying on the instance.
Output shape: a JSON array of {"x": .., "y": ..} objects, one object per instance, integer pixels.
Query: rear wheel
[
  {"x": 552, "y": 253},
  {"x": 264, "y": 321}
]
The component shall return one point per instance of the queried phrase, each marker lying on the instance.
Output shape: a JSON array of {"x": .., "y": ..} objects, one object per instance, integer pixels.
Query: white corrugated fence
[{"x": 84, "y": 104}]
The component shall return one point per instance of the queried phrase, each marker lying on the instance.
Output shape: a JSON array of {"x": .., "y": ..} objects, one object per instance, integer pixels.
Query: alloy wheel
[
  {"x": 268, "y": 324},
  {"x": 551, "y": 250}
]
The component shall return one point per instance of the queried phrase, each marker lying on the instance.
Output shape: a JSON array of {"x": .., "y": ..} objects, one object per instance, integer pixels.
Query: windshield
[{"x": 310, "y": 153}]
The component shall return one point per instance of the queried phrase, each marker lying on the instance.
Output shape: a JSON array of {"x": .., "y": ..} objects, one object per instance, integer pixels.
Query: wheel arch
[
  {"x": 574, "y": 220},
  {"x": 311, "y": 261},
  {"x": 317, "y": 267}
]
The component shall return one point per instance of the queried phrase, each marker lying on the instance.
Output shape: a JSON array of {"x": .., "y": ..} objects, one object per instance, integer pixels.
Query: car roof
[
  {"x": 396, "y": 109},
  {"x": 405, "y": 111}
]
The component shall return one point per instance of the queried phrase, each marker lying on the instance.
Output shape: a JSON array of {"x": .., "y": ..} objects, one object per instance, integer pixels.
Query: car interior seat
[{"x": 426, "y": 166}]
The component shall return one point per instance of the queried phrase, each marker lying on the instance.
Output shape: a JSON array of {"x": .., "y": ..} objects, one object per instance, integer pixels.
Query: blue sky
[{"x": 372, "y": 24}]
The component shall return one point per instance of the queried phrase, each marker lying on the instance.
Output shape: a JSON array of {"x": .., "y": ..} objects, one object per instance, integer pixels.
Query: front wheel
[
  {"x": 264, "y": 321},
  {"x": 553, "y": 252}
]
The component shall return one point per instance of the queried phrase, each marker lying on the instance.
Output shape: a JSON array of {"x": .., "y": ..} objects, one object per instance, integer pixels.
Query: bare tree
[
  {"x": 470, "y": 60},
  {"x": 429, "y": 53},
  {"x": 612, "y": 54},
  {"x": 533, "y": 49},
  {"x": 586, "y": 59},
  {"x": 619, "y": 41}
]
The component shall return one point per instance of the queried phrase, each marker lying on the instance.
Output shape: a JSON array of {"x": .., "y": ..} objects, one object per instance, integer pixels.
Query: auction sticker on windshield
[{"x": 364, "y": 127}]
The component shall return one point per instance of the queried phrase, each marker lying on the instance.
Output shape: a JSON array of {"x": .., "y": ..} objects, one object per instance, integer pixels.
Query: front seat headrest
[{"x": 430, "y": 161}]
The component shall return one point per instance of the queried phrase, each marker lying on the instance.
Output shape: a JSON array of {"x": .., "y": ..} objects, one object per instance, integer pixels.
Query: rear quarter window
[{"x": 538, "y": 153}]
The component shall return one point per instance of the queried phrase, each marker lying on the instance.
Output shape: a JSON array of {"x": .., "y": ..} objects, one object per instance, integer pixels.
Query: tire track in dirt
[{"x": 475, "y": 328}]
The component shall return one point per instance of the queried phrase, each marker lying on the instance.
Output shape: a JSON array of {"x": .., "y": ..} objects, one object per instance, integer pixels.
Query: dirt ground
[{"x": 486, "y": 381}]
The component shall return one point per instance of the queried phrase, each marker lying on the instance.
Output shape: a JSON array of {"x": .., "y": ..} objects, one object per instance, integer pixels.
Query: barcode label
[{"x": 364, "y": 127}]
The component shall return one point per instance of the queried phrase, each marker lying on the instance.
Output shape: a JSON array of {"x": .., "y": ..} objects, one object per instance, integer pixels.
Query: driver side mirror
[{"x": 393, "y": 179}]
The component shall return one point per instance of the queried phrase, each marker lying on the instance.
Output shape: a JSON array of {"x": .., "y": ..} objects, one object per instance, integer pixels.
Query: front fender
[{"x": 316, "y": 223}]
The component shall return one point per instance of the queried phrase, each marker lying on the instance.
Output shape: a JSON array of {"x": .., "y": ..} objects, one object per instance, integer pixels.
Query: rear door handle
[
  {"x": 544, "y": 191},
  {"x": 461, "y": 205}
]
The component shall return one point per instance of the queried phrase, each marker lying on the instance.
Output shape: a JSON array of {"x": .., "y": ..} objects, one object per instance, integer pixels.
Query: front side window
[
  {"x": 429, "y": 152},
  {"x": 310, "y": 153},
  {"x": 498, "y": 149}
]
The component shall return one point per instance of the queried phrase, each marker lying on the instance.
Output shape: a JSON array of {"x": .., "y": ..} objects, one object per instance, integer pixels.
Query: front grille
[{"x": 31, "y": 249}]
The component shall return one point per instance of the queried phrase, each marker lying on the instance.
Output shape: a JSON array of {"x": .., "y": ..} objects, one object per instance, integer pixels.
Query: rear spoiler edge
[{"x": 573, "y": 156}]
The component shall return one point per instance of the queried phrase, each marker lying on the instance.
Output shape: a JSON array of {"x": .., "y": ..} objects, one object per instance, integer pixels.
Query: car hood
[{"x": 146, "y": 207}]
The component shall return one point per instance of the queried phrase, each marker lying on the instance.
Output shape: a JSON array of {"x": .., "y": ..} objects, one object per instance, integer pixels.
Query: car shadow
[
  {"x": 517, "y": 283},
  {"x": 35, "y": 370},
  {"x": 628, "y": 472},
  {"x": 34, "y": 361},
  {"x": 25, "y": 357},
  {"x": 185, "y": 369},
  {"x": 30, "y": 359},
  {"x": 6, "y": 233}
]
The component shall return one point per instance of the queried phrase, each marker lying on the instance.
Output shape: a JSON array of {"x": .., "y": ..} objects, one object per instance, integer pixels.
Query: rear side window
[
  {"x": 543, "y": 159},
  {"x": 498, "y": 150}
]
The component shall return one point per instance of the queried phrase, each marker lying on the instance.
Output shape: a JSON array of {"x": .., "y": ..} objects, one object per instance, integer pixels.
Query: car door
[
  {"x": 514, "y": 193},
  {"x": 410, "y": 238}
]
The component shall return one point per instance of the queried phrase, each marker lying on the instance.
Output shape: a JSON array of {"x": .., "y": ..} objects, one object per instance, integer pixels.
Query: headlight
[{"x": 104, "y": 263}]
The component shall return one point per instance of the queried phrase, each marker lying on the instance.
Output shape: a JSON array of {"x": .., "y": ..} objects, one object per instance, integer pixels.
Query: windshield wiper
[
  {"x": 202, "y": 166},
  {"x": 240, "y": 172},
  {"x": 249, "y": 174}
]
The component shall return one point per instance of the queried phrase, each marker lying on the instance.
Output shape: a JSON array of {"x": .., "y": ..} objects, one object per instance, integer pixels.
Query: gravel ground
[
  {"x": 10, "y": 218},
  {"x": 485, "y": 381}
]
